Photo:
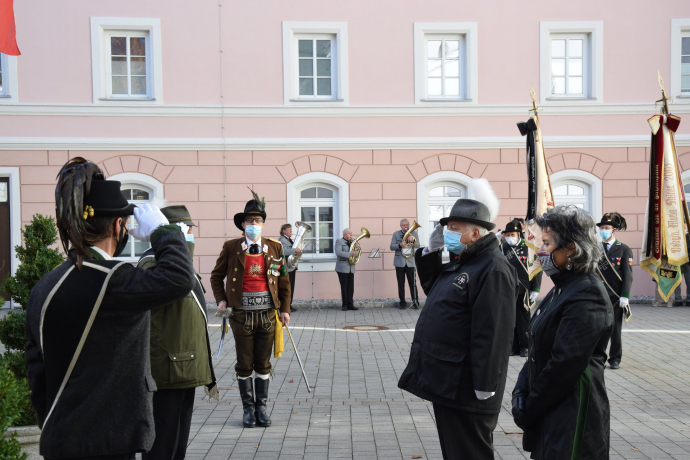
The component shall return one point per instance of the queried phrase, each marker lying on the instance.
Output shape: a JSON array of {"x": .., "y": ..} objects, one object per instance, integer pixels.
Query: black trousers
[
  {"x": 102, "y": 457},
  {"x": 401, "y": 273},
  {"x": 616, "y": 349},
  {"x": 465, "y": 435},
  {"x": 172, "y": 415},
  {"x": 291, "y": 276},
  {"x": 522, "y": 318},
  {"x": 347, "y": 288}
]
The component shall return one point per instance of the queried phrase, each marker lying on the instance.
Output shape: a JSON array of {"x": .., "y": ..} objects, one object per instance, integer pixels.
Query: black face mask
[{"x": 122, "y": 242}]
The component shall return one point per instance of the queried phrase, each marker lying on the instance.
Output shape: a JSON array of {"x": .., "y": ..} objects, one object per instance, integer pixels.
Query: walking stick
[{"x": 298, "y": 358}]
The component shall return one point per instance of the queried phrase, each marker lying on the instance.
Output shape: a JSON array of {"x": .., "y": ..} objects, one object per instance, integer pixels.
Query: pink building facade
[{"x": 354, "y": 115}]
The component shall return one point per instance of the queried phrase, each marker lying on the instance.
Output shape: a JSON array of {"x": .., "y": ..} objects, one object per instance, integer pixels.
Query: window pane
[
  {"x": 558, "y": 67},
  {"x": 309, "y": 193},
  {"x": 579, "y": 205},
  {"x": 118, "y": 46},
  {"x": 561, "y": 190},
  {"x": 325, "y": 193},
  {"x": 309, "y": 246},
  {"x": 575, "y": 85},
  {"x": 575, "y": 67},
  {"x": 574, "y": 48},
  {"x": 323, "y": 67},
  {"x": 306, "y": 67},
  {"x": 119, "y": 85},
  {"x": 127, "y": 193},
  {"x": 436, "y": 191},
  {"x": 140, "y": 195},
  {"x": 434, "y": 67},
  {"x": 325, "y": 215},
  {"x": 138, "y": 66},
  {"x": 137, "y": 46},
  {"x": 435, "y": 87},
  {"x": 306, "y": 86},
  {"x": 326, "y": 230},
  {"x": 685, "y": 46},
  {"x": 685, "y": 65},
  {"x": 557, "y": 48},
  {"x": 557, "y": 85},
  {"x": 323, "y": 48},
  {"x": 433, "y": 48},
  {"x": 140, "y": 247},
  {"x": 452, "y": 47},
  {"x": 575, "y": 190},
  {"x": 453, "y": 192},
  {"x": 310, "y": 233},
  {"x": 685, "y": 83},
  {"x": 306, "y": 48},
  {"x": 325, "y": 246},
  {"x": 452, "y": 86},
  {"x": 119, "y": 66},
  {"x": 138, "y": 85},
  {"x": 435, "y": 212},
  {"x": 308, "y": 214},
  {"x": 323, "y": 86},
  {"x": 3, "y": 192},
  {"x": 453, "y": 68}
]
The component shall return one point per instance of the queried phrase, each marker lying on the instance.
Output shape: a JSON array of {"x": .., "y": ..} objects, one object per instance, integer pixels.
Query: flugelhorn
[
  {"x": 354, "y": 259},
  {"x": 408, "y": 234},
  {"x": 302, "y": 228}
]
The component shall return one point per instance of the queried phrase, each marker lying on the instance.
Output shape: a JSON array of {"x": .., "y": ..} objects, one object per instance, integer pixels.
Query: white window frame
[
  {"x": 108, "y": 68},
  {"x": 679, "y": 28},
  {"x": 15, "y": 220},
  {"x": 593, "y": 183},
  {"x": 101, "y": 29},
  {"x": 334, "y": 67},
  {"x": 469, "y": 68},
  {"x": 337, "y": 31},
  {"x": 9, "y": 79},
  {"x": 317, "y": 203},
  {"x": 437, "y": 179},
  {"x": 341, "y": 213},
  {"x": 594, "y": 49},
  {"x": 586, "y": 75}
]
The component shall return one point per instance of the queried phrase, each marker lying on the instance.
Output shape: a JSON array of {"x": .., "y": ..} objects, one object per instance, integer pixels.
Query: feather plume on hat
[
  {"x": 480, "y": 190},
  {"x": 260, "y": 202}
]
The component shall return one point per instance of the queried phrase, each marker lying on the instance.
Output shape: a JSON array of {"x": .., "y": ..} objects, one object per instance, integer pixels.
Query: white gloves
[
  {"x": 436, "y": 239},
  {"x": 184, "y": 227},
  {"x": 624, "y": 302},
  {"x": 533, "y": 296},
  {"x": 482, "y": 395},
  {"x": 149, "y": 218}
]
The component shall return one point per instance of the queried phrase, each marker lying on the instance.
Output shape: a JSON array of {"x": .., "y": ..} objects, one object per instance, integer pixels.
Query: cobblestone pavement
[{"x": 356, "y": 410}]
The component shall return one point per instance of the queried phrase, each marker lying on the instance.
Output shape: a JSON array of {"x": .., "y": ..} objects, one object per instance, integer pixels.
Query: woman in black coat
[{"x": 560, "y": 397}]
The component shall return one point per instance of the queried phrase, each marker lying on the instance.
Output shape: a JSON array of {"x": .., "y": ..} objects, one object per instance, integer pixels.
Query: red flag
[{"x": 8, "y": 32}]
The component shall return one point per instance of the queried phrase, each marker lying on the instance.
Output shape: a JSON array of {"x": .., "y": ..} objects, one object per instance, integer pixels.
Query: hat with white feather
[{"x": 480, "y": 208}]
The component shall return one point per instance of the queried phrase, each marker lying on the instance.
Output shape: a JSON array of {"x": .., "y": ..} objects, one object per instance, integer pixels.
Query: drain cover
[{"x": 366, "y": 328}]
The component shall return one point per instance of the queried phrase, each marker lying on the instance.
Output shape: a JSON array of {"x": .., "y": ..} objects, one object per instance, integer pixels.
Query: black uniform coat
[
  {"x": 465, "y": 331},
  {"x": 563, "y": 378},
  {"x": 620, "y": 258},
  {"x": 106, "y": 408},
  {"x": 516, "y": 256}
]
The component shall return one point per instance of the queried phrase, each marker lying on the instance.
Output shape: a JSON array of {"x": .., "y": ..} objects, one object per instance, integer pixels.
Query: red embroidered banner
[{"x": 8, "y": 32}]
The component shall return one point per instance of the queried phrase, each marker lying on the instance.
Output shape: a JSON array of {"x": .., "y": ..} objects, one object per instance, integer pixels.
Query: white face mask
[{"x": 512, "y": 240}]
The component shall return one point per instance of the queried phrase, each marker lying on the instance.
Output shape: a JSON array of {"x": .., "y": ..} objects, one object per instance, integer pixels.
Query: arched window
[
  {"x": 579, "y": 188},
  {"x": 572, "y": 192},
  {"x": 441, "y": 199},
  {"x": 317, "y": 208},
  {"x": 436, "y": 195}
]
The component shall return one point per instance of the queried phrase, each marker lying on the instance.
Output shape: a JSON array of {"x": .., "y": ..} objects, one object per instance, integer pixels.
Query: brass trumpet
[
  {"x": 365, "y": 234},
  {"x": 407, "y": 234}
]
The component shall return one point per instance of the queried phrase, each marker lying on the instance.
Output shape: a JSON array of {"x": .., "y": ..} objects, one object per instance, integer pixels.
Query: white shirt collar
[
  {"x": 103, "y": 254},
  {"x": 250, "y": 242},
  {"x": 609, "y": 243}
]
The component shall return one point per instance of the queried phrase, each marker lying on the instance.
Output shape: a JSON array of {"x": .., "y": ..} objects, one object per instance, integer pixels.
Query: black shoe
[
  {"x": 292, "y": 309},
  {"x": 262, "y": 418},
  {"x": 614, "y": 365},
  {"x": 523, "y": 353},
  {"x": 344, "y": 308},
  {"x": 402, "y": 307},
  {"x": 247, "y": 396},
  {"x": 352, "y": 308},
  {"x": 415, "y": 306},
  {"x": 678, "y": 304}
]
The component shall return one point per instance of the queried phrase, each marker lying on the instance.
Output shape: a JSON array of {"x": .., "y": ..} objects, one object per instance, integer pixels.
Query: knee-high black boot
[
  {"x": 247, "y": 395},
  {"x": 262, "y": 418}
]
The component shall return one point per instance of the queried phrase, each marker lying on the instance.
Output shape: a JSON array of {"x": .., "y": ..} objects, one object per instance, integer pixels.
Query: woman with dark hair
[
  {"x": 88, "y": 321},
  {"x": 560, "y": 397},
  {"x": 287, "y": 242}
]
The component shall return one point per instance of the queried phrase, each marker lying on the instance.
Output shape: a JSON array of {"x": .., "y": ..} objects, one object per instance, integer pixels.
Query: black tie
[
  {"x": 606, "y": 247},
  {"x": 254, "y": 249}
]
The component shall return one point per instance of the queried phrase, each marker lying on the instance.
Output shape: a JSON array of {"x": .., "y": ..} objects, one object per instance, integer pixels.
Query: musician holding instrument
[
  {"x": 404, "y": 244},
  {"x": 289, "y": 249},
  {"x": 348, "y": 251}
]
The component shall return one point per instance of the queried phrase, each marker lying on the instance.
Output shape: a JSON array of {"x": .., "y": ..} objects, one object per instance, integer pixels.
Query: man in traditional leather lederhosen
[
  {"x": 615, "y": 267},
  {"x": 516, "y": 252},
  {"x": 256, "y": 284}
]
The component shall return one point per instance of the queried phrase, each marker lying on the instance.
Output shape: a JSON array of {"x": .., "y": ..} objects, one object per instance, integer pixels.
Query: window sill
[
  {"x": 6, "y": 95},
  {"x": 127, "y": 99},
  {"x": 317, "y": 100},
  {"x": 445, "y": 100},
  {"x": 571, "y": 98},
  {"x": 318, "y": 259},
  {"x": 687, "y": 96}
]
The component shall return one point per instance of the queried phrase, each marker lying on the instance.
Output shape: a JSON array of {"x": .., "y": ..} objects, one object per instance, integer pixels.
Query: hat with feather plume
[
  {"x": 481, "y": 208},
  {"x": 255, "y": 207}
]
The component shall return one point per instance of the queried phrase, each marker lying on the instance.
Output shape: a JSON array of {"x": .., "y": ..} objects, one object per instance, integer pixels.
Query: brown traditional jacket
[{"x": 230, "y": 267}]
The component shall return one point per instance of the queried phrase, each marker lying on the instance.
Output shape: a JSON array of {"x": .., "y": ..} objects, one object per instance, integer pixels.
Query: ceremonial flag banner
[
  {"x": 663, "y": 244},
  {"x": 540, "y": 195},
  {"x": 8, "y": 33}
]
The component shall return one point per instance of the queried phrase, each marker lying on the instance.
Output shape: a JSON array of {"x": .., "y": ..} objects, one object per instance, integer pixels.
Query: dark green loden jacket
[{"x": 180, "y": 346}]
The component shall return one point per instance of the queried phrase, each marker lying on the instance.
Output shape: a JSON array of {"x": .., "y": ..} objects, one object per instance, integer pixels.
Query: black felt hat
[
  {"x": 106, "y": 200},
  {"x": 615, "y": 220},
  {"x": 178, "y": 213},
  {"x": 256, "y": 207},
  {"x": 513, "y": 226},
  {"x": 471, "y": 211}
]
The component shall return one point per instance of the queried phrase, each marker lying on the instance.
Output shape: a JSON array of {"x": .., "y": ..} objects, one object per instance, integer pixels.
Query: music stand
[{"x": 375, "y": 254}]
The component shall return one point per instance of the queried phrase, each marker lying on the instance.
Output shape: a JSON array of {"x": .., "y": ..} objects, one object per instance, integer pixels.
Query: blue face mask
[
  {"x": 452, "y": 241},
  {"x": 606, "y": 234},
  {"x": 189, "y": 237},
  {"x": 253, "y": 231}
]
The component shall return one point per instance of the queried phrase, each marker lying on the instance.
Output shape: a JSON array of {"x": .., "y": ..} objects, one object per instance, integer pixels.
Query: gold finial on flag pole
[
  {"x": 664, "y": 99},
  {"x": 534, "y": 102}
]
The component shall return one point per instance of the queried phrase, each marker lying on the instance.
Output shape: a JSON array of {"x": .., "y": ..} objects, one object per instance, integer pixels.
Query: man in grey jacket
[
  {"x": 344, "y": 249},
  {"x": 404, "y": 266},
  {"x": 287, "y": 242}
]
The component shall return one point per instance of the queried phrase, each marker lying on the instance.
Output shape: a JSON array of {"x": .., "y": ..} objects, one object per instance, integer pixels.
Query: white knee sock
[{"x": 262, "y": 376}]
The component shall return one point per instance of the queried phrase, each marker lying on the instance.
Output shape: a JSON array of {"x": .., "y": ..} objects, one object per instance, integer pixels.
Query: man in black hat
[
  {"x": 516, "y": 251},
  {"x": 459, "y": 354},
  {"x": 257, "y": 284},
  {"x": 615, "y": 268},
  {"x": 180, "y": 354}
]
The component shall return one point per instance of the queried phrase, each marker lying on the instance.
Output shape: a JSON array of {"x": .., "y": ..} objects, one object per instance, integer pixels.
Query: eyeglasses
[{"x": 249, "y": 220}]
